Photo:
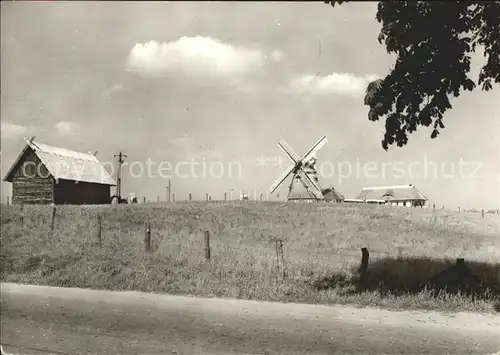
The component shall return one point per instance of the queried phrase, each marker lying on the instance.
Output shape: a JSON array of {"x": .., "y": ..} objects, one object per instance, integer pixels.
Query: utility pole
[{"x": 120, "y": 157}]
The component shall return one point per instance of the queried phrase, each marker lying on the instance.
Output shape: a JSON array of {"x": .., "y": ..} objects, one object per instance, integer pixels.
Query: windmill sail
[
  {"x": 312, "y": 152},
  {"x": 282, "y": 178},
  {"x": 310, "y": 184},
  {"x": 289, "y": 151}
]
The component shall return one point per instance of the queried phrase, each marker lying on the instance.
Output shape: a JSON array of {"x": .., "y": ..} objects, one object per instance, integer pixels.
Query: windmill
[{"x": 303, "y": 170}]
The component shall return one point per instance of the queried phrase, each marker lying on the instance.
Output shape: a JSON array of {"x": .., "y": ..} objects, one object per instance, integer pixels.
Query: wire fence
[{"x": 286, "y": 258}]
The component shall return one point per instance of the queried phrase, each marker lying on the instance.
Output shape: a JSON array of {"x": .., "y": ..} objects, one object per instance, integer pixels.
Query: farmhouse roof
[
  {"x": 331, "y": 194},
  {"x": 391, "y": 193},
  {"x": 65, "y": 164}
]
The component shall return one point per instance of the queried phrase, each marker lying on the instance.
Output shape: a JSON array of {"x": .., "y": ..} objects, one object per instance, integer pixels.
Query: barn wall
[
  {"x": 32, "y": 183},
  {"x": 81, "y": 193}
]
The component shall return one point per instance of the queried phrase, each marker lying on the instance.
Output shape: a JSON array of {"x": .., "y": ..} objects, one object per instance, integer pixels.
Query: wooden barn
[
  {"x": 300, "y": 194},
  {"x": 332, "y": 195},
  {"x": 43, "y": 174}
]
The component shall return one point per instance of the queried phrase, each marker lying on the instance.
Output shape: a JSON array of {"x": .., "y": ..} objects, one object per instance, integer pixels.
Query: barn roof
[
  {"x": 65, "y": 164},
  {"x": 391, "y": 193},
  {"x": 331, "y": 194}
]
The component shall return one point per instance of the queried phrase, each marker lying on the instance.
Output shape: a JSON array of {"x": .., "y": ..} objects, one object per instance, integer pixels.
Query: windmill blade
[
  {"x": 312, "y": 152},
  {"x": 280, "y": 180},
  {"x": 310, "y": 185},
  {"x": 289, "y": 151}
]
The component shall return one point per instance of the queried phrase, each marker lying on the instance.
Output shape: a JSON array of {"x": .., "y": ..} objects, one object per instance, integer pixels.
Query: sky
[{"x": 200, "y": 93}]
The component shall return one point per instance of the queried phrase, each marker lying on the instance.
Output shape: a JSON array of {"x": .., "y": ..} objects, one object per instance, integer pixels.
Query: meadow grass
[{"x": 322, "y": 245}]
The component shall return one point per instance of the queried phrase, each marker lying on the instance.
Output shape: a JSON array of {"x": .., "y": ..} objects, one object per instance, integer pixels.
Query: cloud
[
  {"x": 188, "y": 148},
  {"x": 277, "y": 55},
  {"x": 194, "y": 56},
  {"x": 12, "y": 130},
  {"x": 108, "y": 93},
  {"x": 66, "y": 127},
  {"x": 183, "y": 141},
  {"x": 340, "y": 84}
]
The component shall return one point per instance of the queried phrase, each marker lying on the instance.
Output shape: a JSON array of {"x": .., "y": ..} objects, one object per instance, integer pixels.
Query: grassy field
[{"x": 322, "y": 243}]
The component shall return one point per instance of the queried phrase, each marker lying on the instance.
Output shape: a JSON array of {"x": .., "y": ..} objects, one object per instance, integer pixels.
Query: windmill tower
[{"x": 305, "y": 183}]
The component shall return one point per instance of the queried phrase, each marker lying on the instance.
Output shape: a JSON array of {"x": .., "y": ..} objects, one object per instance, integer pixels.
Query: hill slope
[{"x": 321, "y": 251}]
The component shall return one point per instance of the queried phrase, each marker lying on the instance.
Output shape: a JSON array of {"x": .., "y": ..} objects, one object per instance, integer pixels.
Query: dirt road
[{"x": 38, "y": 319}]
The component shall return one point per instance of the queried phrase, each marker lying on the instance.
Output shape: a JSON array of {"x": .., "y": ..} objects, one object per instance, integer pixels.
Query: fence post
[
  {"x": 280, "y": 258},
  {"x": 365, "y": 255},
  {"x": 99, "y": 229},
  {"x": 225, "y": 196},
  {"x": 206, "y": 196},
  {"x": 147, "y": 237},
  {"x": 21, "y": 215},
  {"x": 190, "y": 196},
  {"x": 400, "y": 253},
  {"x": 277, "y": 257},
  {"x": 207, "y": 245},
  {"x": 283, "y": 268},
  {"x": 53, "y": 218}
]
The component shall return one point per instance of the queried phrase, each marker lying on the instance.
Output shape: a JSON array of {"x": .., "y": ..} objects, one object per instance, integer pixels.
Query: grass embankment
[{"x": 321, "y": 251}]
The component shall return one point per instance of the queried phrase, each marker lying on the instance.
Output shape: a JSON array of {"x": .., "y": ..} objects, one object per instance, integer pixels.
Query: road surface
[{"x": 42, "y": 320}]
